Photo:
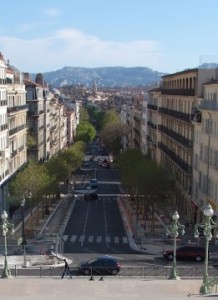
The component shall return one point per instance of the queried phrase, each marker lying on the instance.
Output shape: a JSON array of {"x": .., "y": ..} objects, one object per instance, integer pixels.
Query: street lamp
[
  {"x": 207, "y": 227},
  {"x": 6, "y": 229},
  {"x": 174, "y": 229},
  {"x": 24, "y": 242}
]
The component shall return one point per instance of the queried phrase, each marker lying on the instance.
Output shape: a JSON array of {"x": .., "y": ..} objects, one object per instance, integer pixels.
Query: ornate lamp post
[
  {"x": 6, "y": 229},
  {"x": 174, "y": 229},
  {"x": 207, "y": 226}
]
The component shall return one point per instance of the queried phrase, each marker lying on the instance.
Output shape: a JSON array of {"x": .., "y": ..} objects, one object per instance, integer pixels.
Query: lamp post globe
[
  {"x": 6, "y": 229},
  {"x": 4, "y": 215},
  {"x": 175, "y": 216},
  {"x": 208, "y": 210}
]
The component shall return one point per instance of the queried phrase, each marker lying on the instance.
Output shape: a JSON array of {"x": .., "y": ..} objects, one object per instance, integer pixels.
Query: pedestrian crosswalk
[{"x": 95, "y": 239}]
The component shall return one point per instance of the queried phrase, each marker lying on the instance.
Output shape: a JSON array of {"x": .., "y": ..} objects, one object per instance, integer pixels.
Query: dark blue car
[{"x": 103, "y": 265}]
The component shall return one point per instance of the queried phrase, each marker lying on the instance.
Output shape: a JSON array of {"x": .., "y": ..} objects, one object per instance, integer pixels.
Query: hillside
[{"x": 103, "y": 77}]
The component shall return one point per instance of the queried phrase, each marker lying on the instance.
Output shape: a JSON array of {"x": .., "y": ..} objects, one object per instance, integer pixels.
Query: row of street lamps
[
  {"x": 208, "y": 226},
  {"x": 175, "y": 228}
]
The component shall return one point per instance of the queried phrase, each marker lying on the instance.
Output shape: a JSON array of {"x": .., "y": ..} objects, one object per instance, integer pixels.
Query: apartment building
[
  {"x": 171, "y": 130},
  {"x": 126, "y": 117},
  {"x": 144, "y": 127},
  {"x": 35, "y": 119},
  {"x": 205, "y": 160},
  {"x": 71, "y": 125},
  {"x": 151, "y": 119},
  {"x": 47, "y": 120},
  {"x": 4, "y": 132},
  {"x": 17, "y": 114},
  {"x": 62, "y": 124},
  {"x": 13, "y": 111}
]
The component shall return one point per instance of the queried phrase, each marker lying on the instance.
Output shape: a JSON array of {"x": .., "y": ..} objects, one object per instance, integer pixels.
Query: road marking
[
  {"x": 82, "y": 238},
  {"x": 73, "y": 239},
  {"x": 99, "y": 239},
  {"x": 64, "y": 238},
  {"x": 90, "y": 239},
  {"x": 125, "y": 240},
  {"x": 116, "y": 239}
]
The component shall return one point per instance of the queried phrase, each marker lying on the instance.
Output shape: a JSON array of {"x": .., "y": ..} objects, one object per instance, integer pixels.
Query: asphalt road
[{"x": 96, "y": 227}]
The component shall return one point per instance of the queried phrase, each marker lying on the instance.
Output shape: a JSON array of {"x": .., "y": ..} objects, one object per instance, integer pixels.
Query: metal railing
[{"x": 149, "y": 271}]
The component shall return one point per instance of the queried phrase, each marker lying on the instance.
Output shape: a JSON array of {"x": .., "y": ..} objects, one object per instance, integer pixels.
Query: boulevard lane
[{"x": 96, "y": 226}]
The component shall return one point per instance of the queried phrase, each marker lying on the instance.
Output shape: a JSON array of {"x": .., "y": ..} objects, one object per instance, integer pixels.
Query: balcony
[
  {"x": 137, "y": 119},
  {"x": 175, "y": 158},
  {"x": 16, "y": 129},
  {"x": 136, "y": 131},
  {"x": 17, "y": 108},
  {"x": 182, "y": 92},
  {"x": 152, "y": 125},
  {"x": 3, "y": 127},
  {"x": 152, "y": 106},
  {"x": 14, "y": 153},
  {"x": 41, "y": 127},
  {"x": 176, "y": 136},
  {"x": 175, "y": 114}
]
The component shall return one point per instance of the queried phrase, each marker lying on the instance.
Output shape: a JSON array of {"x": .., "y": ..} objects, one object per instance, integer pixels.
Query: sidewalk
[
  {"x": 48, "y": 230},
  {"x": 150, "y": 244},
  {"x": 84, "y": 289}
]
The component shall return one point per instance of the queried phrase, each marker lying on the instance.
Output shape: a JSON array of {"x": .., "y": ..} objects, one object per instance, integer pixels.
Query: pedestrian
[{"x": 66, "y": 269}]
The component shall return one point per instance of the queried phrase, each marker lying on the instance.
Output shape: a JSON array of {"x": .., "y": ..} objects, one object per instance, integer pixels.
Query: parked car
[
  {"x": 105, "y": 163},
  {"x": 186, "y": 253},
  {"x": 103, "y": 265},
  {"x": 86, "y": 163}
]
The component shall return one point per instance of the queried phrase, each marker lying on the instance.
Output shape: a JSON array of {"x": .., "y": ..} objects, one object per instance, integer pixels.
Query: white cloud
[
  {"x": 52, "y": 12},
  {"x": 70, "y": 47},
  {"x": 25, "y": 27}
]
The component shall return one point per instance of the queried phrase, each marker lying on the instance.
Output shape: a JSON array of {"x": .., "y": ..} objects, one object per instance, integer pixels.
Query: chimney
[
  {"x": 26, "y": 76},
  {"x": 40, "y": 79}
]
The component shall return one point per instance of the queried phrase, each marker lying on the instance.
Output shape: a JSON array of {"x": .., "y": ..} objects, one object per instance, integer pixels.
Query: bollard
[{"x": 91, "y": 278}]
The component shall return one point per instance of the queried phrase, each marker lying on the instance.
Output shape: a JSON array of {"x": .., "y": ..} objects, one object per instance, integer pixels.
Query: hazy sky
[{"x": 164, "y": 35}]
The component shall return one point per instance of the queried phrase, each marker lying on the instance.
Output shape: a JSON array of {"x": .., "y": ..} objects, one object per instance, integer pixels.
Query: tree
[
  {"x": 85, "y": 132},
  {"x": 58, "y": 167},
  {"x": 74, "y": 155},
  {"x": 127, "y": 164},
  {"x": 84, "y": 116},
  {"x": 33, "y": 178},
  {"x": 111, "y": 136},
  {"x": 144, "y": 177},
  {"x": 96, "y": 115},
  {"x": 110, "y": 116}
]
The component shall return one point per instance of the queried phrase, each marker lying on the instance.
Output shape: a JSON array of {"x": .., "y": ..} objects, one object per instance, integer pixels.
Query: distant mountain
[
  {"x": 208, "y": 66},
  {"x": 103, "y": 77}
]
